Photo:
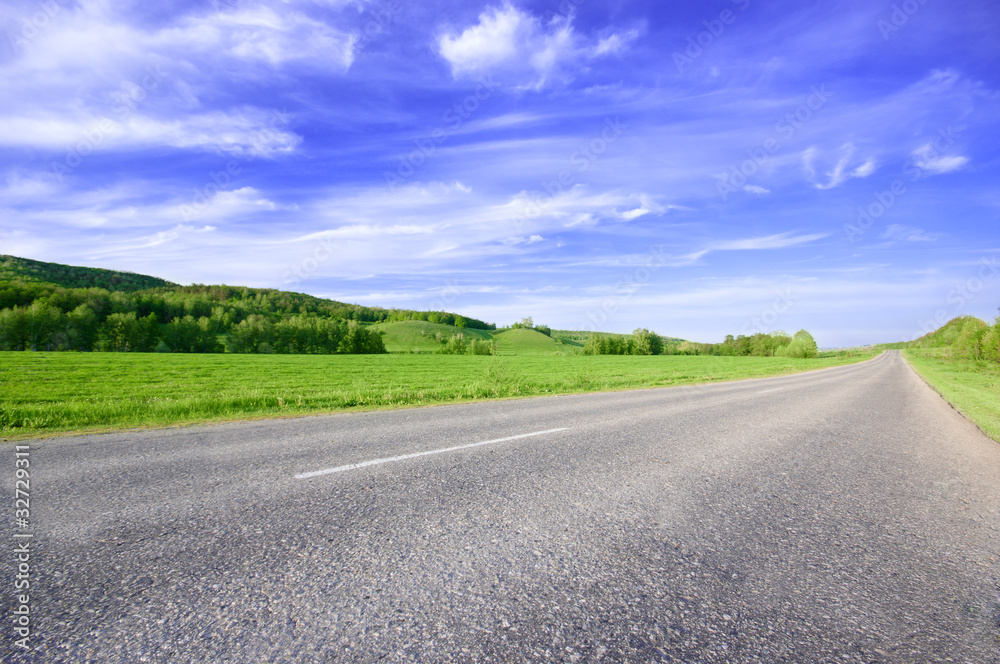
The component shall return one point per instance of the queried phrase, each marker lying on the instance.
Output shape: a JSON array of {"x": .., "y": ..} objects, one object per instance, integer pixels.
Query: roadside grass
[
  {"x": 52, "y": 393},
  {"x": 973, "y": 388}
]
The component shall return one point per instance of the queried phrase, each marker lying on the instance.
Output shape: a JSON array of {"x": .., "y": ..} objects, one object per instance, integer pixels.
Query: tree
[
  {"x": 249, "y": 334},
  {"x": 802, "y": 345},
  {"x": 41, "y": 324},
  {"x": 594, "y": 345},
  {"x": 968, "y": 344},
  {"x": 127, "y": 333},
  {"x": 645, "y": 342},
  {"x": 360, "y": 340},
  {"x": 456, "y": 345},
  {"x": 13, "y": 329},
  {"x": 82, "y": 328},
  {"x": 991, "y": 343}
]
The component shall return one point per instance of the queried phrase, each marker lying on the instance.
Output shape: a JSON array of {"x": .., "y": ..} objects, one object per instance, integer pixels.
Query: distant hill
[
  {"x": 23, "y": 281},
  {"x": 14, "y": 268},
  {"x": 50, "y": 306}
]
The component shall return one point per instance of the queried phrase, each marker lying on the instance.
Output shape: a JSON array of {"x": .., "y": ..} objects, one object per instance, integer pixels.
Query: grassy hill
[
  {"x": 419, "y": 336},
  {"x": 946, "y": 335},
  {"x": 14, "y": 268},
  {"x": 523, "y": 341}
]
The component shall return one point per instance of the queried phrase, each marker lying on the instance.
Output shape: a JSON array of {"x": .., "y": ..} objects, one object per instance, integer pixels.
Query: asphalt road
[{"x": 844, "y": 515}]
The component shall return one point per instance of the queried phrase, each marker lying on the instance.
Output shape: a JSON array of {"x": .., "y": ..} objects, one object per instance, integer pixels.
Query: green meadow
[{"x": 63, "y": 392}]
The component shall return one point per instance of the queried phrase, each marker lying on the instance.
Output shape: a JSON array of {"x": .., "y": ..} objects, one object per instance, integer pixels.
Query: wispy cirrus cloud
[
  {"x": 844, "y": 169},
  {"x": 928, "y": 159}
]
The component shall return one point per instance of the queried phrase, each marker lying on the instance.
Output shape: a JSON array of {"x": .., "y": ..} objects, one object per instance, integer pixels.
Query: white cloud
[
  {"x": 927, "y": 158},
  {"x": 755, "y": 189},
  {"x": 841, "y": 171},
  {"x": 22, "y": 186},
  {"x": 629, "y": 215},
  {"x": 615, "y": 43},
  {"x": 170, "y": 235},
  {"x": 258, "y": 33},
  {"x": 243, "y": 132},
  {"x": 230, "y": 204},
  {"x": 865, "y": 169},
  {"x": 369, "y": 230},
  {"x": 778, "y": 241},
  {"x": 521, "y": 50},
  {"x": 904, "y": 233}
]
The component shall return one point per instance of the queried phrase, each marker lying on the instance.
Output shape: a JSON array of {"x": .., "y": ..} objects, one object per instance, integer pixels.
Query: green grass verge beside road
[
  {"x": 971, "y": 387},
  {"x": 43, "y": 393}
]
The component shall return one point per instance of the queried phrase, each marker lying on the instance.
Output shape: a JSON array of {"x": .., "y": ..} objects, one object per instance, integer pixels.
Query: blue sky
[{"x": 696, "y": 168}]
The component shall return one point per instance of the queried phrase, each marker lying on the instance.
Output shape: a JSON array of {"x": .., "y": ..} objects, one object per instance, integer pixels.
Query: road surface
[{"x": 843, "y": 515}]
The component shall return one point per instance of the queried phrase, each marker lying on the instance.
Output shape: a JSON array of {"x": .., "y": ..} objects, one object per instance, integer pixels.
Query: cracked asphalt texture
[{"x": 842, "y": 515}]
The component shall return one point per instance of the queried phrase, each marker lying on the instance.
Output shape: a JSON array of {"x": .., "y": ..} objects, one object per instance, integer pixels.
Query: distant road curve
[{"x": 842, "y": 515}]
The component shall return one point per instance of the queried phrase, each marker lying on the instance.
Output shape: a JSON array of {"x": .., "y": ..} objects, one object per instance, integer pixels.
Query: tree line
[
  {"x": 644, "y": 342},
  {"x": 43, "y": 327},
  {"x": 457, "y": 344},
  {"x": 641, "y": 342}
]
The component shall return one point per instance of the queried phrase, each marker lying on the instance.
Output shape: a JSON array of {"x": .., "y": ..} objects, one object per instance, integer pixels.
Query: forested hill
[
  {"x": 46, "y": 306},
  {"x": 68, "y": 276}
]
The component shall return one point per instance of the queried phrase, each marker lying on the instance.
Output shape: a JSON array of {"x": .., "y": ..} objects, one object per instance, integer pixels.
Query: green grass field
[
  {"x": 973, "y": 388},
  {"x": 46, "y": 393}
]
